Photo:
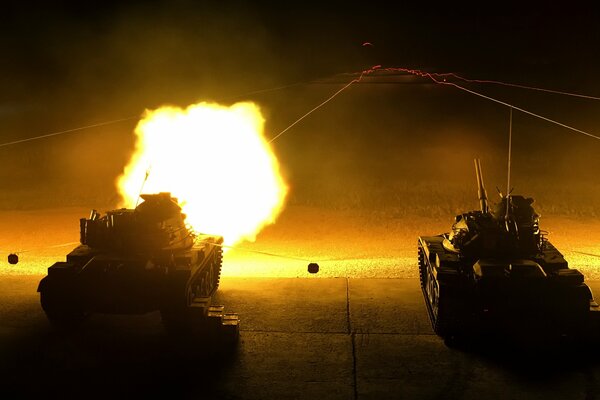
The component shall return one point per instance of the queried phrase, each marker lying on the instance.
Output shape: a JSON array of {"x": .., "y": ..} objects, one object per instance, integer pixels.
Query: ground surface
[
  {"x": 357, "y": 330},
  {"x": 332, "y": 338}
]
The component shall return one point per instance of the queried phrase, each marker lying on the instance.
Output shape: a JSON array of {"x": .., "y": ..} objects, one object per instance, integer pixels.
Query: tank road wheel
[
  {"x": 205, "y": 283},
  {"x": 450, "y": 318},
  {"x": 60, "y": 308},
  {"x": 439, "y": 306},
  {"x": 440, "y": 321},
  {"x": 430, "y": 288},
  {"x": 184, "y": 317},
  {"x": 207, "y": 280},
  {"x": 433, "y": 298}
]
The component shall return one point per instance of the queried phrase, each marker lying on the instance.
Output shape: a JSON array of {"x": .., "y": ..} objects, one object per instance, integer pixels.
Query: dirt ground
[{"x": 354, "y": 243}]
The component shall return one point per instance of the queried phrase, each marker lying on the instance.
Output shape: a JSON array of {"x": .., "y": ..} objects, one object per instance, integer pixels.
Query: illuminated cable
[
  {"x": 356, "y": 80},
  {"x": 436, "y": 79},
  {"x": 433, "y": 76},
  {"x": 522, "y": 110},
  {"x": 264, "y": 90},
  {"x": 67, "y": 131},
  {"x": 587, "y": 254},
  {"x": 254, "y": 251},
  {"x": 510, "y": 123},
  {"x": 312, "y": 110},
  {"x": 446, "y": 75},
  {"x": 488, "y": 81},
  {"x": 41, "y": 248},
  {"x": 137, "y": 116}
]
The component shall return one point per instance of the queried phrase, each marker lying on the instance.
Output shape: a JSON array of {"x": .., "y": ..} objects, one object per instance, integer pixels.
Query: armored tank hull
[
  {"x": 135, "y": 262},
  {"x": 472, "y": 296},
  {"x": 496, "y": 270}
]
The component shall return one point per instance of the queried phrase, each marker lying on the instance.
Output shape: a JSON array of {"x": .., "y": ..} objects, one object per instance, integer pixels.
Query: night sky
[{"x": 70, "y": 64}]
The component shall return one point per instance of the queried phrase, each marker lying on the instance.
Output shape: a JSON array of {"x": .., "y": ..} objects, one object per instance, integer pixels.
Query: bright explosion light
[{"x": 215, "y": 160}]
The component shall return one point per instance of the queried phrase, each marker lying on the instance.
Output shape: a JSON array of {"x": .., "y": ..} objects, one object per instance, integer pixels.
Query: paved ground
[{"x": 322, "y": 338}]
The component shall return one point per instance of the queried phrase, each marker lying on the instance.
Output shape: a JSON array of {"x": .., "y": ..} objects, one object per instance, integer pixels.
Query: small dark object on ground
[{"x": 13, "y": 259}]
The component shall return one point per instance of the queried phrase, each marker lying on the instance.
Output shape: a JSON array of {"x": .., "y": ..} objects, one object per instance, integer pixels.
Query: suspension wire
[
  {"x": 316, "y": 108},
  {"x": 516, "y": 85},
  {"x": 196, "y": 241},
  {"x": 587, "y": 254},
  {"x": 512, "y": 106},
  {"x": 68, "y": 131},
  {"x": 446, "y": 75},
  {"x": 40, "y": 248},
  {"x": 255, "y": 251},
  {"x": 327, "y": 100},
  {"x": 509, "y": 159},
  {"x": 439, "y": 78},
  {"x": 265, "y": 90},
  {"x": 115, "y": 121}
]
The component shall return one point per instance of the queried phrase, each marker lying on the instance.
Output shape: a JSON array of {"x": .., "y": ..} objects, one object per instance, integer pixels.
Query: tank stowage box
[
  {"x": 496, "y": 269},
  {"x": 133, "y": 261}
]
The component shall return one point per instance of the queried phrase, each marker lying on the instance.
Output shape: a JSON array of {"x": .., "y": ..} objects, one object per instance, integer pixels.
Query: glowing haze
[{"x": 215, "y": 160}]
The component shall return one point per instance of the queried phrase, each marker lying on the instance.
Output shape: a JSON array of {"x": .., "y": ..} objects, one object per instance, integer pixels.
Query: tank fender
[
  {"x": 588, "y": 291},
  {"x": 42, "y": 284}
]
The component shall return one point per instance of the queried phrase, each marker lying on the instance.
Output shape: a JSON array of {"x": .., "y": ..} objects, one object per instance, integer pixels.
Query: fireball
[{"x": 215, "y": 160}]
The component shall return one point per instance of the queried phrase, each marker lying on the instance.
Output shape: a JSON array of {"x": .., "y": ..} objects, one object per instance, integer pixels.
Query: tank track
[
  {"x": 206, "y": 281},
  {"x": 422, "y": 267},
  {"x": 60, "y": 310},
  {"x": 189, "y": 315},
  {"x": 219, "y": 260},
  {"x": 436, "y": 305}
]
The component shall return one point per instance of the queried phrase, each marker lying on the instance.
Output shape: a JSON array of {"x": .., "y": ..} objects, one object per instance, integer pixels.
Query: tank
[
  {"x": 134, "y": 261},
  {"x": 496, "y": 270}
]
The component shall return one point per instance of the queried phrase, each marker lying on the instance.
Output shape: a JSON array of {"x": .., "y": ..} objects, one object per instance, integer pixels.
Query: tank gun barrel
[{"x": 480, "y": 188}]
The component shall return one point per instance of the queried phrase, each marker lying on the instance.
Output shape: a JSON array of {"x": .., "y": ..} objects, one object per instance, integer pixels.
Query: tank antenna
[
  {"x": 142, "y": 188},
  {"x": 482, "y": 194},
  {"x": 509, "y": 159}
]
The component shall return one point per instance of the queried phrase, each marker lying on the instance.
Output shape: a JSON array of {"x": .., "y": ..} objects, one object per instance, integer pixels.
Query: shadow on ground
[
  {"x": 301, "y": 339},
  {"x": 533, "y": 358},
  {"x": 112, "y": 356}
]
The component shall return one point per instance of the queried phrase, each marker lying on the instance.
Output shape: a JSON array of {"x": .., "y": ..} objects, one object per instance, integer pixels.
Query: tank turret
[
  {"x": 155, "y": 225},
  {"x": 511, "y": 228},
  {"x": 495, "y": 268}
]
